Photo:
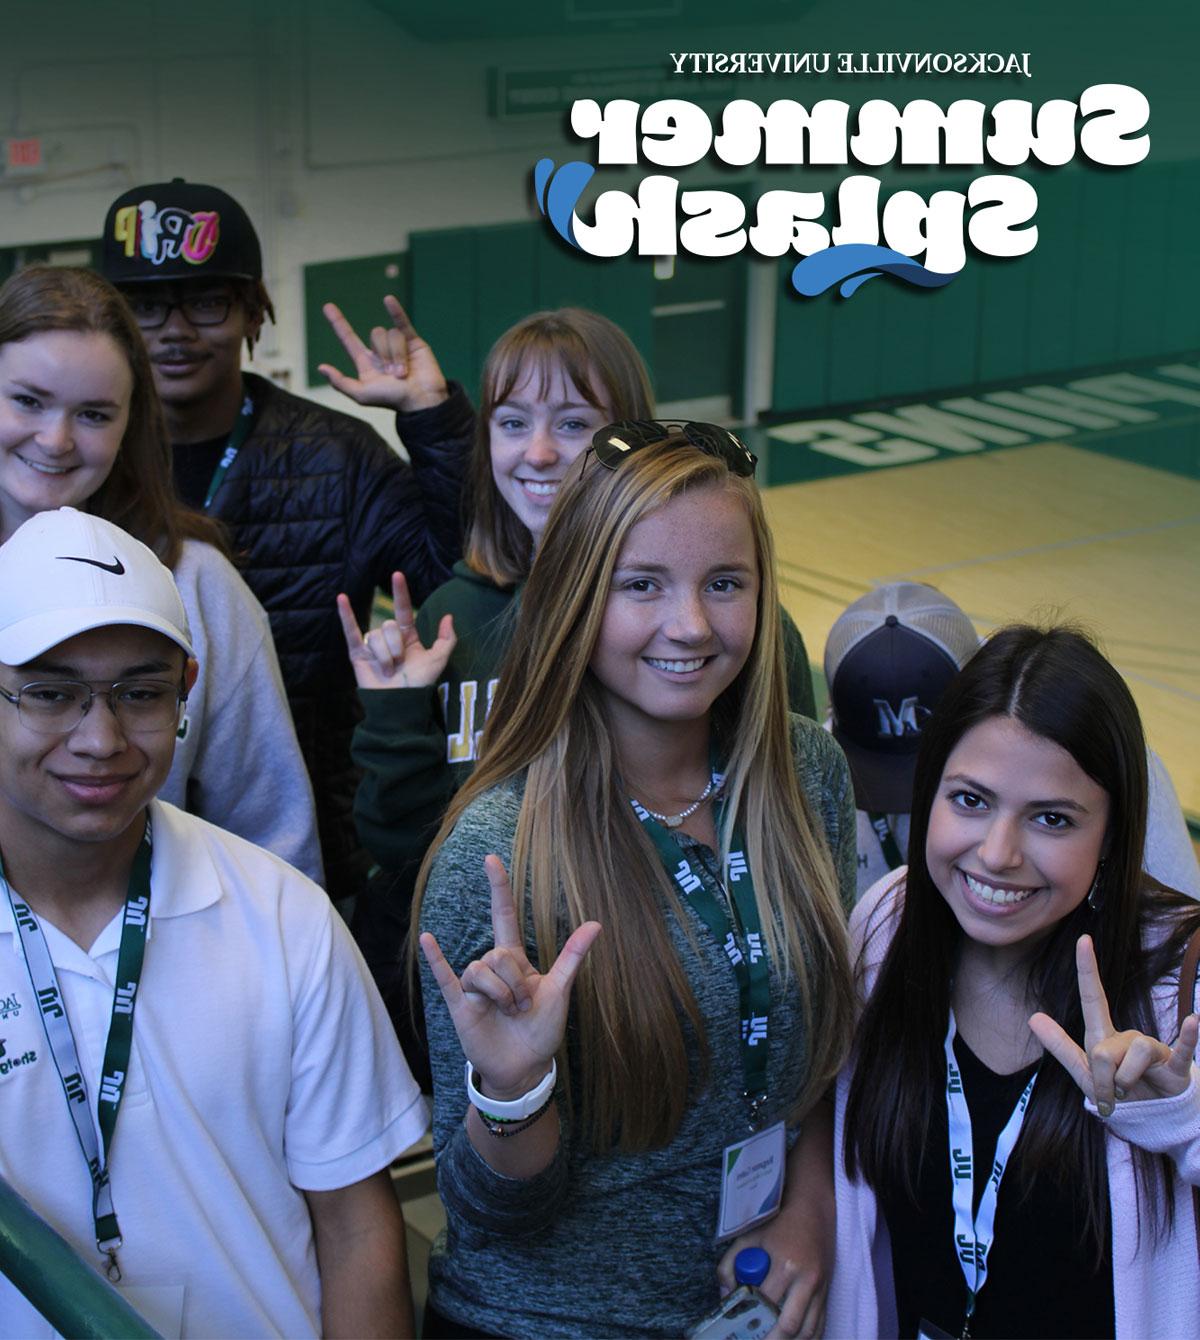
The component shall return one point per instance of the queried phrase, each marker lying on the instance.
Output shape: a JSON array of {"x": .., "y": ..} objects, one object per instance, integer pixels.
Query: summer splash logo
[
  {"x": 165, "y": 234},
  {"x": 916, "y": 240}
]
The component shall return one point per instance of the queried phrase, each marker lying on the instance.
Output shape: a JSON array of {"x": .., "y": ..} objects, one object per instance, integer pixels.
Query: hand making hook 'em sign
[
  {"x": 510, "y": 1018},
  {"x": 393, "y": 655},
  {"x": 1116, "y": 1065}
]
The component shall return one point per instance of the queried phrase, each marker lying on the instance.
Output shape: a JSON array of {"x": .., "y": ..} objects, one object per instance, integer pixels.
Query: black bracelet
[{"x": 502, "y": 1129}]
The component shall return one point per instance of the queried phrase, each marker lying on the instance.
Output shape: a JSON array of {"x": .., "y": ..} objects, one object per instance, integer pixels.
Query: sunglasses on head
[{"x": 613, "y": 443}]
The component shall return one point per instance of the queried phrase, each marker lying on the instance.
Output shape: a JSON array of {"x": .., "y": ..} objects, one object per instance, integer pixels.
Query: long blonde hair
[
  {"x": 599, "y": 359},
  {"x": 549, "y": 718}
]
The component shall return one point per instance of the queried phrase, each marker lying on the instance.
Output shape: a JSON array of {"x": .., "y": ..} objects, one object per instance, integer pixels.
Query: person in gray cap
[
  {"x": 199, "y": 1087},
  {"x": 889, "y": 658},
  {"x": 316, "y": 501}
]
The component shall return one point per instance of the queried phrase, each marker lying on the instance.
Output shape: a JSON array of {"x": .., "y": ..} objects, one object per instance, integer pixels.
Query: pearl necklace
[{"x": 674, "y": 820}]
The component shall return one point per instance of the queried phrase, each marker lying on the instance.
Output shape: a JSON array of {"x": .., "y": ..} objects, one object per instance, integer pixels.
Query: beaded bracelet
[{"x": 503, "y": 1129}]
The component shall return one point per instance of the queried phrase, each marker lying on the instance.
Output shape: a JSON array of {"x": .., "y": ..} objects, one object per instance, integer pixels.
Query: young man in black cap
[
  {"x": 889, "y": 657},
  {"x": 316, "y": 501}
]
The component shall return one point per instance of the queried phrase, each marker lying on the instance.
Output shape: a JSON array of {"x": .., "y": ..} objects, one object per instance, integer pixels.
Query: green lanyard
[
  {"x": 737, "y": 929},
  {"x": 241, "y": 430},
  {"x": 117, "y": 1049},
  {"x": 887, "y": 840}
]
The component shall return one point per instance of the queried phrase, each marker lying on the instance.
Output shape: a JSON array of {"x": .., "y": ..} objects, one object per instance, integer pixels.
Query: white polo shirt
[{"x": 263, "y": 1065}]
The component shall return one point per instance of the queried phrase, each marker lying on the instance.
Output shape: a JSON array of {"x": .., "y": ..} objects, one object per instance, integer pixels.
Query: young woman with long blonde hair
[
  {"x": 681, "y": 851},
  {"x": 427, "y": 680}
]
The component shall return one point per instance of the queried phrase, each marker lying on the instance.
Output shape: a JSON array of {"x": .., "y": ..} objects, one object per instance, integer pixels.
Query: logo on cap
[
  {"x": 160, "y": 235},
  {"x": 116, "y": 567},
  {"x": 907, "y": 721}
]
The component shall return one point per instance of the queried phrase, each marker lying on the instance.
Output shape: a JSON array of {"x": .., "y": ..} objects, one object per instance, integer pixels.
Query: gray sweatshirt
[
  {"x": 238, "y": 764},
  {"x": 611, "y": 1244}
]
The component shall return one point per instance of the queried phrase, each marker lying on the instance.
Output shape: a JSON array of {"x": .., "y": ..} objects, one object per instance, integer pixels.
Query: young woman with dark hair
[
  {"x": 81, "y": 426},
  {"x": 993, "y": 969}
]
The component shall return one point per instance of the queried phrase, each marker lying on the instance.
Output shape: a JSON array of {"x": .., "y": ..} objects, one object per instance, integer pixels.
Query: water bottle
[{"x": 746, "y": 1313}]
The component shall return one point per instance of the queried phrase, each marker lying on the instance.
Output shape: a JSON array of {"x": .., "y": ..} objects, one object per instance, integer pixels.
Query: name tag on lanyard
[{"x": 752, "y": 1176}]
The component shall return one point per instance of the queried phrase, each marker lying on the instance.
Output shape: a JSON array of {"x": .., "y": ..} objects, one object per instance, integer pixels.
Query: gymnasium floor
[{"x": 1102, "y": 527}]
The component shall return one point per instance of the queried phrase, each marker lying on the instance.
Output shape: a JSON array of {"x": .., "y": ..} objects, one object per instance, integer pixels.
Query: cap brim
[
  {"x": 882, "y": 782},
  {"x": 31, "y": 637},
  {"x": 119, "y": 280}
]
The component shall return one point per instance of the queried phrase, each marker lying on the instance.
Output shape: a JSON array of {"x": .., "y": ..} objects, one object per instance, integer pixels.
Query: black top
[
  {"x": 193, "y": 466},
  {"x": 1041, "y": 1280},
  {"x": 316, "y": 503}
]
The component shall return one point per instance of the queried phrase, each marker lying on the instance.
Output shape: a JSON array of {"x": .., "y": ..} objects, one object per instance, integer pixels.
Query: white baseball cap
[{"x": 64, "y": 572}]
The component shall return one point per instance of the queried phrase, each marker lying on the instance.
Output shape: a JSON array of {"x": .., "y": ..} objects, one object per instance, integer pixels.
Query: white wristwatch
[{"x": 517, "y": 1109}]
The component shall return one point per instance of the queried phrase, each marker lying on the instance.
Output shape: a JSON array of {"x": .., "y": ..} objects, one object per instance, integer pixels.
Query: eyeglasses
[
  {"x": 613, "y": 443},
  {"x": 205, "y": 309},
  {"x": 58, "y": 706}
]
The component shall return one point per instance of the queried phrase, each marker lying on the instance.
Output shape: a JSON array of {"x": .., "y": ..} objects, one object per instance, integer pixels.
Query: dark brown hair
[
  {"x": 1056, "y": 684},
  {"x": 138, "y": 494},
  {"x": 253, "y": 295}
]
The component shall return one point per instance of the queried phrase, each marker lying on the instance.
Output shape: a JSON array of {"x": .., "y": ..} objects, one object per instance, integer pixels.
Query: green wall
[
  {"x": 468, "y": 285},
  {"x": 1108, "y": 281}
]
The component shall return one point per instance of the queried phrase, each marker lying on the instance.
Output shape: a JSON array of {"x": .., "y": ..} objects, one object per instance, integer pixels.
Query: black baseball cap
[
  {"x": 889, "y": 657},
  {"x": 178, "y": 230}
]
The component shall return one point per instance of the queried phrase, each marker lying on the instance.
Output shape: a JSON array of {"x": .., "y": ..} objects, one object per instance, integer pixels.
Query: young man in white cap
[
  {"x": 316, "y": 501},
  {"x": 202, "y": 1091}
]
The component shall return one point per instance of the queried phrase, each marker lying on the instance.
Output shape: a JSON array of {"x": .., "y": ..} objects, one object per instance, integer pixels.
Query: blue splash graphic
[
  {"x": 855, "y": 263},
  {"x": 557, "y": 192}
]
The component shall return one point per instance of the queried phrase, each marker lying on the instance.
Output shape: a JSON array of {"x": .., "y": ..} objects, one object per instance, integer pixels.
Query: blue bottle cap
[{"x": 751, "y": 1265}]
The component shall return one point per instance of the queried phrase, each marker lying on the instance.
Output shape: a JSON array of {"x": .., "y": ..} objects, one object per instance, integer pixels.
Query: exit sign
[{"x": 23, "y": 156}]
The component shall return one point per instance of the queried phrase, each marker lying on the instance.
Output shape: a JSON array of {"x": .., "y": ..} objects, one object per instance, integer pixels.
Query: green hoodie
[{"x": 416, "y": 747}]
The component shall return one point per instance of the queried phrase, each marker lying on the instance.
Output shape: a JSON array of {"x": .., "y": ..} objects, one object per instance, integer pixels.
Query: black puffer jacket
[{"x": 318, "y": 503}]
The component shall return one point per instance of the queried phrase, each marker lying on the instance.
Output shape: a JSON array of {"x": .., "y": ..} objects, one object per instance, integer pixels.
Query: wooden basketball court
[{"x": 1044, "y": 531}]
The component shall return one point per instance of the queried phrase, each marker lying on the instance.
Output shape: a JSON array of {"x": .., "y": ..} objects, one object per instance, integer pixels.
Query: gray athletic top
[{"x": 612, "y": 1244}]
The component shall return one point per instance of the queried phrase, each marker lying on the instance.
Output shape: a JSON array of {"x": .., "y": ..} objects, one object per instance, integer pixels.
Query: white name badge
[
  {"x": 752, "y": 1173},
  {"x": 159, "y": 1304}
]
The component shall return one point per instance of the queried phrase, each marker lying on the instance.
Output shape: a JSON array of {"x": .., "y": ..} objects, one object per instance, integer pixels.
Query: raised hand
[
  {"x": 509, "y": 1018},
  {"x": 393, "y": 655},
  {"x": 1113, "y": 1065},
  {"x": 398, "y": 371}
]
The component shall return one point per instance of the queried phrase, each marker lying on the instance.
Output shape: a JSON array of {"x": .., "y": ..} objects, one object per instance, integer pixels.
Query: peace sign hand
[
  {"x": 399, "y": 371},
  {"x": 393, "y": 655},
  {"x": 510, "y": 1019},
  {"x": 1116, "y": 1065}
]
